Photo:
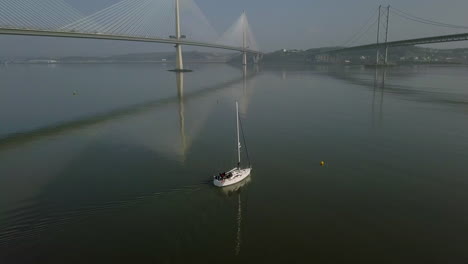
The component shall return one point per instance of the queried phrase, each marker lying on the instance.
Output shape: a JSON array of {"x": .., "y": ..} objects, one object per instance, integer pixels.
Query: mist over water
[{"x": 113, "y": 163}]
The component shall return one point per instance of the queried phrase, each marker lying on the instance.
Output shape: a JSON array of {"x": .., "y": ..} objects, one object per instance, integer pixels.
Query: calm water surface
[{"x": 112, "y": 164}]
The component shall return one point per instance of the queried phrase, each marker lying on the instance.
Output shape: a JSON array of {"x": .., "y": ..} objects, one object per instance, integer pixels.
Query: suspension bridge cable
[
  {"x": 361, "y": 28},
  {"x": 425, "y": 21},
  {"x": 360, "y": 35}
]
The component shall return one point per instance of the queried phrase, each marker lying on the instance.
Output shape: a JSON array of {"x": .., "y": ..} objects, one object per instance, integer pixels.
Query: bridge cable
[
  {"x": 129, "y": 18},
  {"x": 425, "y": 21},
  {"x": 352, "y": 39}
]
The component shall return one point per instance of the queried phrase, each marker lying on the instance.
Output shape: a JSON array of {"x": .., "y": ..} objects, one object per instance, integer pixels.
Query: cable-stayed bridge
[
  {"x": 178, "y": 22},
  {"x": 375, "y": 34}
]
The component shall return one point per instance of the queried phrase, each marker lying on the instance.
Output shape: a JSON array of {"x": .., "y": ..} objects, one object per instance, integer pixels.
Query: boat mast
[{"x": 238, "y": 138}]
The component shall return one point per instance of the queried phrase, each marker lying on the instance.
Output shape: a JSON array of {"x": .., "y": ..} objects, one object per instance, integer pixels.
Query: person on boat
[{"x": 221, "y": 176}]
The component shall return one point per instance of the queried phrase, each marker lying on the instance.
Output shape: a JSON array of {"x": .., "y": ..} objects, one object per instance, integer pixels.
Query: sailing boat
[{"x": 237, "y": 174}]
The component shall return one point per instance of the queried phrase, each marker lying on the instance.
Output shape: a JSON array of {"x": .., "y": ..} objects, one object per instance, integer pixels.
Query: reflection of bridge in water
[
  {"x": 186, "y": 141},
  {"x": 183, "y": 129},
  {"x": 23, "y": 137}
]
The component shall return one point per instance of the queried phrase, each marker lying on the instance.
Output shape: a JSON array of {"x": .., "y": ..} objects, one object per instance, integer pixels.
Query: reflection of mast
[
  {"x": 239, "y": 219},
  {"x": 231, "y": 190},
  {"x": 244, "y": 78},
  {"x": 180, "y": 95}
]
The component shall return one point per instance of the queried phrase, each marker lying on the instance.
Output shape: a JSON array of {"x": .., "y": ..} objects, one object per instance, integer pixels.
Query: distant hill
[
  {"x": 196, "y": 56},
  {"x": 189, "y": 56},
  {"x": 398, "y": 55},
  {"x": 293, "y": 56}
]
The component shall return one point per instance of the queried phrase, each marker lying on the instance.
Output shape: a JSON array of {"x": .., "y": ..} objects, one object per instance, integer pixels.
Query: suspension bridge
[
  {"x": 177, "y": 22},
  {"x": 380, "y": 23}
]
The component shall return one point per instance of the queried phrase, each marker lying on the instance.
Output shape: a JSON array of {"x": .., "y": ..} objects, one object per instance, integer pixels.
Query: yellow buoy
[{"x": 322, "y": 163}]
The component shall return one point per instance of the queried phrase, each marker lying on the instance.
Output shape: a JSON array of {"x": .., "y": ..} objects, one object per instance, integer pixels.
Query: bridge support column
[
  {"x": 244, "y": 40},
  {"x": 386, "y": 35},
  {"x": 382, "y": 59},
  {"x": 377, "y": 55},
  {"x": 178, "y": 36},
  {"x": 179, "y": 59}
]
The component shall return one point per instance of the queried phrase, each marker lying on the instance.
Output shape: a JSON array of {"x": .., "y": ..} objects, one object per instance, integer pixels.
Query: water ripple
[{"x": 33, "y": 219}]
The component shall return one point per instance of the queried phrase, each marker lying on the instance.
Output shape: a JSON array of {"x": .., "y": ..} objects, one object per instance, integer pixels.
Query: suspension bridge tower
[{"x": 382, "y": 59}]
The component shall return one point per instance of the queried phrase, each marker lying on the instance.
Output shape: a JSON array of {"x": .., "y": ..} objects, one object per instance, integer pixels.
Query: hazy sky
[{"x": 276, "y": 24}]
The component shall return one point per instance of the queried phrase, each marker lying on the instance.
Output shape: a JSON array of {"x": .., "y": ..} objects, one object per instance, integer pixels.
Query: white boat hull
[{"x": 238, "y": 175}]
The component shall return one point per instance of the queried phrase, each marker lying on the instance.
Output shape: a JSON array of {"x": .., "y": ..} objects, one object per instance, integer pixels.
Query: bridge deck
[
  {"x": 68, "y": 34},
  {"x": 408, "y": 42}
]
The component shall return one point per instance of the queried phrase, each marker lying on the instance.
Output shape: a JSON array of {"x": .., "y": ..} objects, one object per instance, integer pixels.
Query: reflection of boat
[
  {"x": 234, "y": 188},
  {"x": 236, "y": 174},
  {"x": 231, "y": 190},
  {"x": 239, "y": 220}
]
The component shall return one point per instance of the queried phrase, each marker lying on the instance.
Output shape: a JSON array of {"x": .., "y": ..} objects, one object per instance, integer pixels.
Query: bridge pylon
[
  {"x": 178, "y": 46},
  {"x": 244, "y": 40},
  {"x": 382, "y": 59}
]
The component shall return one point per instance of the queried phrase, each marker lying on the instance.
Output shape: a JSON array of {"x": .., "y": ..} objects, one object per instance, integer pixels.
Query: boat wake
[{"x": 33, "y": 219}]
